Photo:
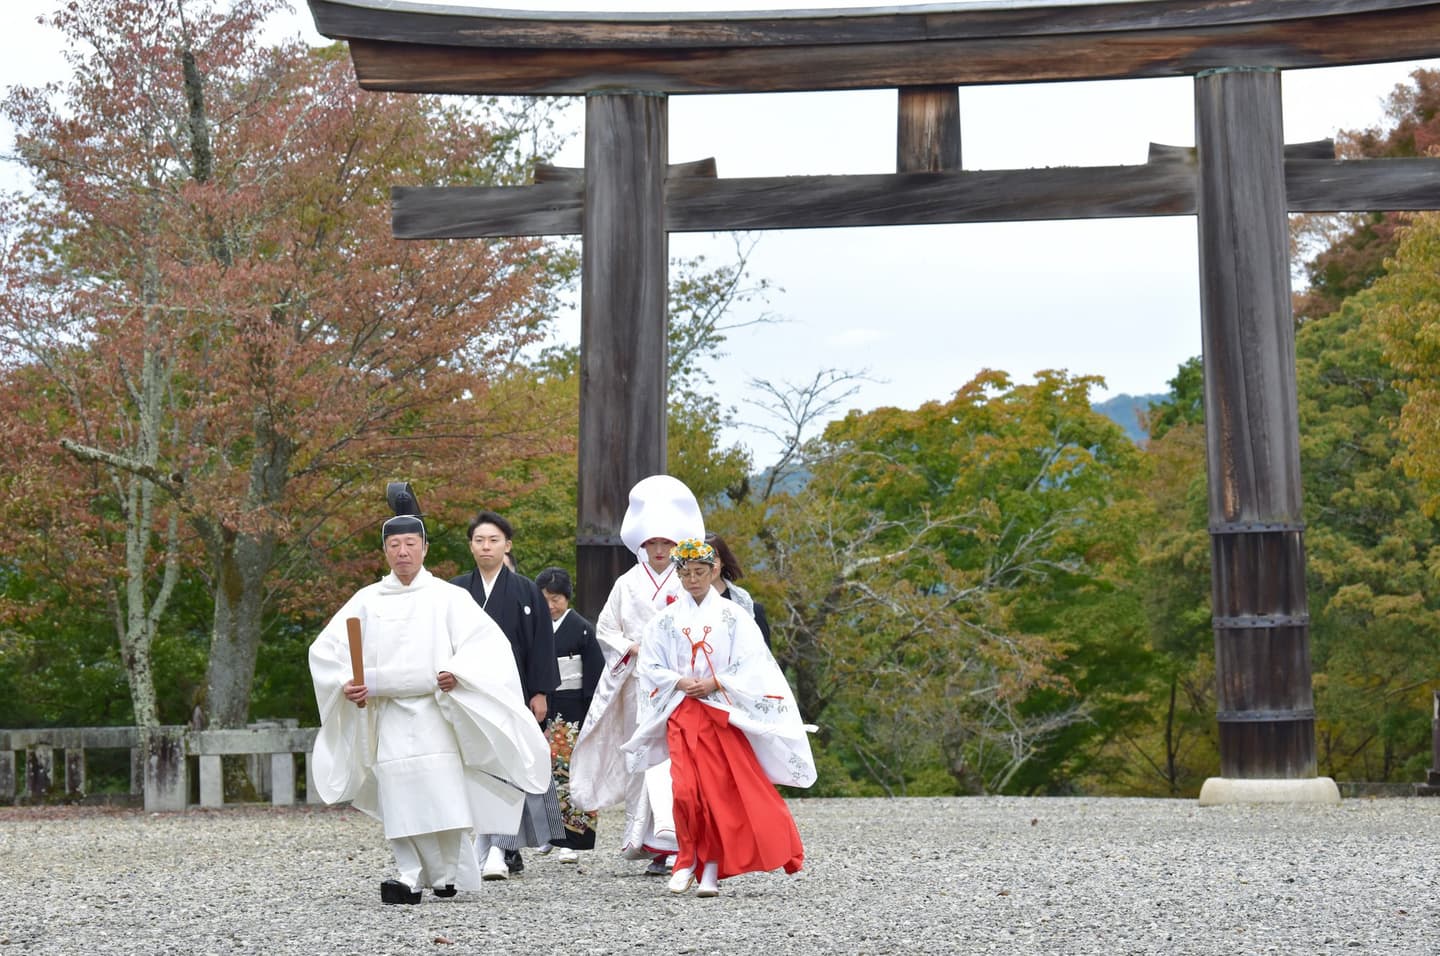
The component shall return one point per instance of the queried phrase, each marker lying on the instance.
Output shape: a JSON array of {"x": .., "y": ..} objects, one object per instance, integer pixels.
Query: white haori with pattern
[{"x": 716, "y": 637}]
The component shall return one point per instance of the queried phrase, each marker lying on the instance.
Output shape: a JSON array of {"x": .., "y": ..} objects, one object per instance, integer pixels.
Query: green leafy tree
[
  {"x": 1173, "y": 747},
  {"x": 1185, "y": 403},
  {"x": 1375, "y": 609},
  {"x": 938, "y": 582},
  {"x": 1367, "y": 410},
  {"x": 1167, "y": 744},
  {"x": 1407, "y": 322}
]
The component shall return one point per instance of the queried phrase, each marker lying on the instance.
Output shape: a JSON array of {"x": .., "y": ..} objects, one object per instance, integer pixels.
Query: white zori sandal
[{"x": 681, "y": 880}]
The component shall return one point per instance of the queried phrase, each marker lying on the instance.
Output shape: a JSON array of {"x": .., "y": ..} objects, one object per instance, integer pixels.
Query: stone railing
[{"x": 159, "y": 762}]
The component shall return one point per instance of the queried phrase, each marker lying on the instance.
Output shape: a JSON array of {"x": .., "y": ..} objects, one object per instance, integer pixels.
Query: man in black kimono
[{"x": 515, "y": 604}]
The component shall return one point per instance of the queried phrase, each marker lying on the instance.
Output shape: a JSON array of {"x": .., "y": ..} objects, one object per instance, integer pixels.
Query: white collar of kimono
[{"x": 390, "y": 584}]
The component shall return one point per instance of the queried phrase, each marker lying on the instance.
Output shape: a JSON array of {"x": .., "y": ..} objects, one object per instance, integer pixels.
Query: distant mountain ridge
[{"x": 1126, "y": 411}]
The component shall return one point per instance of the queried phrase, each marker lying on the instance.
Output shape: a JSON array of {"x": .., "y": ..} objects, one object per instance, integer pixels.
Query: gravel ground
[{"x": 964, "y": 875}]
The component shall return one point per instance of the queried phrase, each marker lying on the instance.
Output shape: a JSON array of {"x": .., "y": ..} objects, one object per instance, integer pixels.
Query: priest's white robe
[{"x": 423, "y": 762}]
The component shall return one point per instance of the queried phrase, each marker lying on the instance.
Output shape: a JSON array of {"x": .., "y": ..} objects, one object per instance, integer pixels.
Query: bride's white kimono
[
  {"x": 598, "y": 775},
  {"x": 660, "y": 507}
]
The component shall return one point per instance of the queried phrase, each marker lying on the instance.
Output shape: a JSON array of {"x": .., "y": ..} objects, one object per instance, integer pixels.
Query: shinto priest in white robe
[
  {"x": 427, "y": 764},
  {"x": 660, "y": 507}
]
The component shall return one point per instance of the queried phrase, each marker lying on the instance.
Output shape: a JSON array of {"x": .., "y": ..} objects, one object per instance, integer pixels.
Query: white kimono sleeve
[{"x": 343, "y": 760}]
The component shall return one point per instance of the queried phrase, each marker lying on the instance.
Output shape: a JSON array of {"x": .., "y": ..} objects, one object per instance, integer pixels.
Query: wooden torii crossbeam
[{"x": 1239, "y": 182}]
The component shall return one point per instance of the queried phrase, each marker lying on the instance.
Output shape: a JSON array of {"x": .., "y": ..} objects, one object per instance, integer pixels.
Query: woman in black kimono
[{"x": 581, "y": 662}]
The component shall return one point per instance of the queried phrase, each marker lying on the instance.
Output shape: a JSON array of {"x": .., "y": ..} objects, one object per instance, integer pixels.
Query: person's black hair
[
  {"x": 729, "y": 566},
  {"x": 490, "y": 517},
  {"x": 554, "y": 580}
]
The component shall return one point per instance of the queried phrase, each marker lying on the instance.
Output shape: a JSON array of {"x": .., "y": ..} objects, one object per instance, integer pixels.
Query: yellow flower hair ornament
[{"x": 692, "y": 549}]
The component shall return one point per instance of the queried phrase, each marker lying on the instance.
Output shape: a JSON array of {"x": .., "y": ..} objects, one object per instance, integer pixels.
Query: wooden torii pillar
[
  {"x": 623, "y": 314},
  {"x": 1264, "y": 702},
  {"x": 1239, "y": 182}
]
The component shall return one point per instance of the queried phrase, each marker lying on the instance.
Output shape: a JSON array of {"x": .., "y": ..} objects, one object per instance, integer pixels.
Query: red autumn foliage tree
[
  {"x": 217, "y": 352},
  {"x": 1351, "y": 249}
]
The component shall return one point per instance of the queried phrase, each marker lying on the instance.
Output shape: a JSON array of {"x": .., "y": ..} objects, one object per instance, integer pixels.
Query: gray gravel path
[{"x": 966, "y": 875}]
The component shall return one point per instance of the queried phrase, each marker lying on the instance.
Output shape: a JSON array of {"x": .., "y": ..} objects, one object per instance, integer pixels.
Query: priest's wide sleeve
[
  {"x": 495, "y": 729},
  {"x": 342, "y": 760}
]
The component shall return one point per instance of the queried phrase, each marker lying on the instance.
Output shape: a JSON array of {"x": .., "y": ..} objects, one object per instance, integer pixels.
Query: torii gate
[{"x": 1239, "y": 183}]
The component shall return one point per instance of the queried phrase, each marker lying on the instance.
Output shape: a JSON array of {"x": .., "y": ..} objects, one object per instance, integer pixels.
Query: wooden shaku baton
[{"x": 357, "y": 660}]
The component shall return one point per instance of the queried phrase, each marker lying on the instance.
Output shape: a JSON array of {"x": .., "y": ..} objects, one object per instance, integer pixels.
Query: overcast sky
[{"x": 921, "y": 309}]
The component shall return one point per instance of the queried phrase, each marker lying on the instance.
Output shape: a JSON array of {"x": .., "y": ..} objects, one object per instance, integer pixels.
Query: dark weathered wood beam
[
  {"x": 809, "y": 202},
  {"x": 903, "y": 199},
  {"x": 485, "y": 26},
  {"x": 1315, "y": 149},
  {"x": 1359, "y": 185},
  {"x": 550, "y": 173},
  {"x": 399, "y": 48},
  {"x": 553, "y": 208},
  {"x": 927, "y": 129}
]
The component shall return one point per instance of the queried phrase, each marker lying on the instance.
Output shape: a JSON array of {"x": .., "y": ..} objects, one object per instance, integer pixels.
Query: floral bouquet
[{"x": 579, "y": 824}]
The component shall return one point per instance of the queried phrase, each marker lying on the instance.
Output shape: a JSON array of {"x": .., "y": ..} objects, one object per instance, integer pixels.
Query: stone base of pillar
[{"x": 1219, "y": 791}]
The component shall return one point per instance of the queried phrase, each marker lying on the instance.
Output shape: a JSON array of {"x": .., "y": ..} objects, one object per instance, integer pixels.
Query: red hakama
[{"x": 726, "y": 809}]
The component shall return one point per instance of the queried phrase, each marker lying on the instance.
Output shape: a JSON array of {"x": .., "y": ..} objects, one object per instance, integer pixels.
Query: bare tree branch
[{"x": 799, "y": 408}]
